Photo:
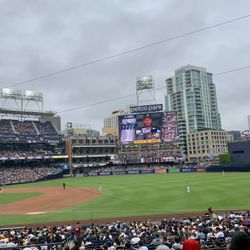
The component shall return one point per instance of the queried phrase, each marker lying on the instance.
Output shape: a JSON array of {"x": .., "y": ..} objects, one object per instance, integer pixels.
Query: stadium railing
[{"x": 47, "y": 246}]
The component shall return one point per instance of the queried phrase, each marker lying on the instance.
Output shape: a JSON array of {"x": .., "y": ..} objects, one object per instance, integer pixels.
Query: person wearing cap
[{"x": 148, "y": 131}]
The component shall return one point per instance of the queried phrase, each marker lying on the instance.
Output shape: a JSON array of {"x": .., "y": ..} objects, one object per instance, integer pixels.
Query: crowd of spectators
[
  {"x": 213, "y": 231},
  {"x": 22, "y": 174},
  {"x": 26, "y": 153},
  {"x": 149, "y": 157},
  {"x": 28, "y": 237},
  {"x": 45, "y": 128},
  {"x": 5, "y": 127},
  {"x": 25, "y": 127},
  {"x": 6, "y": 131},
  {"x": 32, "y": 131},
  {"x": 117, "y": 169}
]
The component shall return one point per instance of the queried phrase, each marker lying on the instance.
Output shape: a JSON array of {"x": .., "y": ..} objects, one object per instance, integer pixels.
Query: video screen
[
  {"x": 169, "y": 127},
  {"x": 148, "y": 128}
]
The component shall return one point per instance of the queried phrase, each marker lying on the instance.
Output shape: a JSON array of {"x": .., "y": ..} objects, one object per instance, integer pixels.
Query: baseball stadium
[{"x": 134, "y": 191}]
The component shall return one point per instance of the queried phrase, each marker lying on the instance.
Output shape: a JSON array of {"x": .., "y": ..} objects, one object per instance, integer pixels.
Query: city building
[
  {"x": 207, "y": 145},
  {"x": 191, "y": 93},
  {"x": 79, "y": 129},
  {"x": 235, "y": 134},
  {"x": 111, "y": 123}
]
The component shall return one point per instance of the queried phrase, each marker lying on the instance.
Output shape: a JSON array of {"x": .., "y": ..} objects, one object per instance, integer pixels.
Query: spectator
[
  {"x": 142, "y": 235},
  {"x": 191, "y": 244},
  {"x": 240, "y": 241},
  {"x": 22, "y": 174},
  {"x": 77, "y": 232}
]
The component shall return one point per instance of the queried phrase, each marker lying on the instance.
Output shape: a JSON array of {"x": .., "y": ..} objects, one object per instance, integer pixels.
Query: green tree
[{"x": 224, "y": 158}]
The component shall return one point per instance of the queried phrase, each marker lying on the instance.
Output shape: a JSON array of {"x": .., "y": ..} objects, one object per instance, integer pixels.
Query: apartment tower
[{"x": 192, "y": 94}]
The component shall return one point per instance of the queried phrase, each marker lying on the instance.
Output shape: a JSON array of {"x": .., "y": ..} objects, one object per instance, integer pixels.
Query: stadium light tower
[
  {"x": 21, "y": 99},
  {"x": 145, "y": 90}
]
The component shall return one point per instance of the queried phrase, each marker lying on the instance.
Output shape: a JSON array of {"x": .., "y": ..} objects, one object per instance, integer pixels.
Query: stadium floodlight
[
  {"x": 144, "y": 82},
  {"x": 31, "y": 95},
  {"x": 28, "y": 93},
  {"x": 145, "y": 90},
  {"x": 6, "y": 92},
  {"x": 22, "y": 100}
]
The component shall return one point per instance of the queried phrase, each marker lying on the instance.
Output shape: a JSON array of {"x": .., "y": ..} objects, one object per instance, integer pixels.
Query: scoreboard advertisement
[{"x": 148, "y": 128}]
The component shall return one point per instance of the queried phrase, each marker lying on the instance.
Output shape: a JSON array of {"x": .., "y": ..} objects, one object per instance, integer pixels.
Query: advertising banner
[
  {"x": 146, "y": 108},
  {"x": 59, "y": 156},
  {"x": 133, "y": 172},
  {"x": 4, "y": 158},
  {"x": 127, "y": 125},
  {"x": 150, "y": 171},
  {"x": 92, "y": 174},
  {"x": 118, "y": 172},
  {"x": 160, "y": 171},
  {"x": 188, "y": 170},
  {"x": 174, "y": 170},
  {"x": 47, "y": 157},
  {"x": 201, "y": 170},
  {"x": 147, "y": 141},
  {"x": 104, "y": 173},
  {"x": 169, "y": 127}
]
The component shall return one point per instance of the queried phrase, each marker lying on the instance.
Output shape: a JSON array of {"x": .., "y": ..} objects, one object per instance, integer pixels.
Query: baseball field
[{"x": 122, "y": 196}]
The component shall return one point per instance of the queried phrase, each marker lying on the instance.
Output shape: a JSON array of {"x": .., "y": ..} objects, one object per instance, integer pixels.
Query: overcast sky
[{"x": 39, "y": 37}]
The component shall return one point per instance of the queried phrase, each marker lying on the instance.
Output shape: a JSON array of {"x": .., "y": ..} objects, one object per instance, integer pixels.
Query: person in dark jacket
[{"x": 240, "y": 241}]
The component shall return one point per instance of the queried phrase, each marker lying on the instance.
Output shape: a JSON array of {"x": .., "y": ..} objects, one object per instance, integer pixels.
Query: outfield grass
[{"x": 130, "y": 195}]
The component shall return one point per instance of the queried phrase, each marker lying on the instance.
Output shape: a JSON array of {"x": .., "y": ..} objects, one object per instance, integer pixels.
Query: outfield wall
[
  {"x": 228, "y": 169},
  {"x": 124, "y": 171}
]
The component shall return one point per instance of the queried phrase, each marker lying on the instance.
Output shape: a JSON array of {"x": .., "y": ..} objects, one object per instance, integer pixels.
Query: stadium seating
[
  {"x": 209, "y": 232},
  {"x": 24, "y": 174},
  {"x": 27, "y": 131}
]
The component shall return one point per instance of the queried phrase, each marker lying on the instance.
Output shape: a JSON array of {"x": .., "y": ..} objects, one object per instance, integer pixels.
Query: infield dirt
[{"x": 50, "y": 199}]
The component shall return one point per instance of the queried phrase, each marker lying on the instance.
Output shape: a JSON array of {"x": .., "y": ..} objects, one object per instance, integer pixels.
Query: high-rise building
[{"x": 191, "y": 93}]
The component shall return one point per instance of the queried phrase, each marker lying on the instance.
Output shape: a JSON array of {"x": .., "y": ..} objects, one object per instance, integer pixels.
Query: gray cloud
[{"x": 43, "y": 36}]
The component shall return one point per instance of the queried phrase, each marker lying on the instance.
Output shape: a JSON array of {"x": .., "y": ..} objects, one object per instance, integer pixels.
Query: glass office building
[{"x": 192, "y": 94}]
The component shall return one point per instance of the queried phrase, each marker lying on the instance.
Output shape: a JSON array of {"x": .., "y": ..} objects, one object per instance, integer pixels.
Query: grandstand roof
[{"x": 26, "y": 113}]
